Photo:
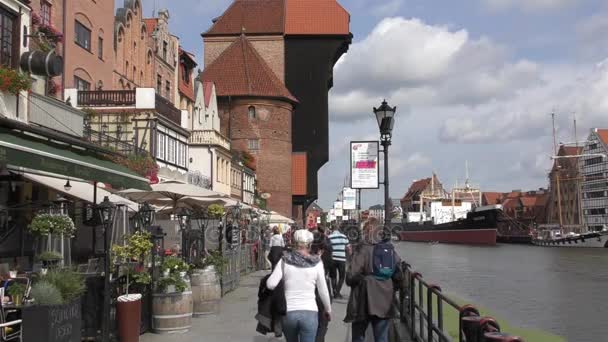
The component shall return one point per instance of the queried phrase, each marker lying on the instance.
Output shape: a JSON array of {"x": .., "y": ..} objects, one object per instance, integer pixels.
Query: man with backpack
[{"x": 372, "y": 272}]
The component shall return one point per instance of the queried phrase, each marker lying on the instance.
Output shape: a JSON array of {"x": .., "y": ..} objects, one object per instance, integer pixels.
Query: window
[
  {"x": 217, "y": 162},
  {"x": 168, "y": 90},
  {"x": 159, "y": 84},
  {"x": 593, "y": 161},
  {"x": 83, "y": 36},
  {"x": 595, "y": 194},
  {"x": 596, "y": 211},
  {"x": 253, "y": 144},
  {"x": 134, "y": 73},
  {"x": 81, "y": 84},
  {"x": 45, "y": 12},
  {"x": 100, "y": 47},
  {"x": 165, "y": 51},
  {"x": 252, "y": 112},
  {"x": 594, "y": 176},
  {"x": 160, "y": 149},
  {"x": 592, "y": 146},
  {"x": 7, "y": 46}
]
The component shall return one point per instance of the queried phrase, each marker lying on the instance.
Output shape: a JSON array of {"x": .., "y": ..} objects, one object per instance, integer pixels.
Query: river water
[{"x": 560, "y": 290}]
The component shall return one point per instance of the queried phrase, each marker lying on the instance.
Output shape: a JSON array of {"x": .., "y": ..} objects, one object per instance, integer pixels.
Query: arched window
[
  {"x": 127, "y": 68},
  {"x": 134, "y": 73},
  {"x": 252, "y": 114},
  {"x": 141, "y": 78},
  {"x": 149, "y": 61}
]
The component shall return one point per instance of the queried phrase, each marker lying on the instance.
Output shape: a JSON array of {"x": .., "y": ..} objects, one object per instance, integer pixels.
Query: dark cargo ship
[{"x": 478, "y": 228}]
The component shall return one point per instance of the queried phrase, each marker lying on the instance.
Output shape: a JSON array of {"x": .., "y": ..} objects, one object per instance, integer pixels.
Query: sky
[{"x": 474, "y": 81}]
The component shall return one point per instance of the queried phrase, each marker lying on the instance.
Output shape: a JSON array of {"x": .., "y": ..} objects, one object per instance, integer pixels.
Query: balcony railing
[
  {"x": 56, "y": 115},
  {"x": 106, "y": 98},
  {"x": 209, "y": 137},
  {"x": 168, "y": 110},
  {"x": 113, "y": 143}
]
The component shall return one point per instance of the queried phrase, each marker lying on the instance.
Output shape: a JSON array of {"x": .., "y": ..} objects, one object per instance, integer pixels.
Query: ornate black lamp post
[
  {"x": 106, "y": 210},
  {"x": 146, "y": 215},
  {"x": 385, "y": 115},
  {"x": 183, "y": 218}
]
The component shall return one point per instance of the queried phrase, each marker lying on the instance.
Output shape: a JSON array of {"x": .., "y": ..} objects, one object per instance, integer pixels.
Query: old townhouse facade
[{"x": 593, "y": 167}]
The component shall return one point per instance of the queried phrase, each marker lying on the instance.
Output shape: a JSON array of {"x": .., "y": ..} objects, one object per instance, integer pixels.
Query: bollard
[
  {"x": 471, "y": 327},
  {"x": 501, "y": 337}
]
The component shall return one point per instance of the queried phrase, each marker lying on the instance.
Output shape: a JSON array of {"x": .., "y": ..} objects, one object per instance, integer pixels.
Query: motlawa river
[{"x": 560, "y": 290}]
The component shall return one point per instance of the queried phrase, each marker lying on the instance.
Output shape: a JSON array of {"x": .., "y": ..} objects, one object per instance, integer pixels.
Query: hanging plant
[
  {"x": 45, "y": 224},
  {"x": 50, "y": 33},
  {"x": 13, "y": 81},
  {"x": 142, "y": 164}
]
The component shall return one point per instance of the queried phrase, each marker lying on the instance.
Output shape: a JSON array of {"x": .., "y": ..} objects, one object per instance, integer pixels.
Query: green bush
[
  {"x": 69, "y": 283},
  {"x": 16, "y": 289},
  {"x": 45, "y": 293},
  {"x": 50, "y": 256},
  {"x": 175, "y": 265},
  {"x": 172, "y": 279}
]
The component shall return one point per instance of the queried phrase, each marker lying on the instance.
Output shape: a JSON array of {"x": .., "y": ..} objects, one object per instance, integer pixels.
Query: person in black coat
[
  {"x": 271, "y": 304},
  {"x": 322, "y": 247}
]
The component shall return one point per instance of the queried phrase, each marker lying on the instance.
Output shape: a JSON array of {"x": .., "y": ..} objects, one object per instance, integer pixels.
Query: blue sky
[{"x": 473, "y": 80}]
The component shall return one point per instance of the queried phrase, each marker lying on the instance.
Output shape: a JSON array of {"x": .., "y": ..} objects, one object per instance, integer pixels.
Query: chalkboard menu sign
[{"x": 52, "y": 323}]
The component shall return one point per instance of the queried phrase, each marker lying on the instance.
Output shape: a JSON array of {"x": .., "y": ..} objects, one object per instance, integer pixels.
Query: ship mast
[
  {"x": 578, "y": 182},
  {"x": 558, "y": 170}
]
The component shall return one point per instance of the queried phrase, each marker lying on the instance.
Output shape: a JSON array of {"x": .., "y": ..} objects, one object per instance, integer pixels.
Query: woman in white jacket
[{"x": 302, "y": 273}]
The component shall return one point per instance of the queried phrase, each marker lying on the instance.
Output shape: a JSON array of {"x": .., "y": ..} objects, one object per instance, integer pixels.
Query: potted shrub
[
  {"x": 172, "y": 302},
  {"x": 205, "y": 279},
  {"x": 131, "y": 258},
  {"x": 13, "y": 81},
  {"x": 55, "y": 315},
  {"x": 49, "y": 259},
  {"x": 16, "y": 291}
]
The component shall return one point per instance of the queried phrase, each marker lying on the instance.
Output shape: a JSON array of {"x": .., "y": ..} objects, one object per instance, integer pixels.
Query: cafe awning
[
  {"x": 80, "y": 190},
  {"x": 26, "y": 153}
]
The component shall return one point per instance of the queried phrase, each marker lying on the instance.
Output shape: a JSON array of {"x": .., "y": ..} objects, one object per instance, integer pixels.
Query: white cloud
[
  {"x": 528, "y": 5},
  {"x": 414, "y": 64}
]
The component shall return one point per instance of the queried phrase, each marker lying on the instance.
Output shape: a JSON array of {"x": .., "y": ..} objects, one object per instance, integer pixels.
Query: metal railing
[
  {"x": 422, "y": 310},
  {"x": 106, "y": 98},
  {"x": 114, "y": 143},
  {"x": 167, "y": 109}
]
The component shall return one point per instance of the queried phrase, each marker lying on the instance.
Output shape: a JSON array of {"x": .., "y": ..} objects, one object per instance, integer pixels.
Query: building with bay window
[{"x": 593, "y": 166}]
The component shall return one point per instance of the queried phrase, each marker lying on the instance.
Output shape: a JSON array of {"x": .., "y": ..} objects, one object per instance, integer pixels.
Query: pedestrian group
[{"x": 295, "y": 300}]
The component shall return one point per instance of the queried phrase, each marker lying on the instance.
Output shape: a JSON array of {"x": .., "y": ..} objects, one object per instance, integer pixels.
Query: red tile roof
[
  {"x": 254, "y": 16},
  {"x": 528, "y": 201},
  {"x": 298, "y": 173},
  {"x": 490, "y": 198},
  {"x": 241, "y": 71},
  {"x": 150, "y": 25},
  {"x": 416, "y": 188},
  {"x": 603, "y": 134},
  {"x": 316, "y": 17},
  {"x": 290, "y": 17}
]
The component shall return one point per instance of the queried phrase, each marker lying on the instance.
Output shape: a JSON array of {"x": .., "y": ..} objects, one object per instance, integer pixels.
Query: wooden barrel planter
[
  {"x": 206, "y": 291},
  {"x": 172, "y": 312}
]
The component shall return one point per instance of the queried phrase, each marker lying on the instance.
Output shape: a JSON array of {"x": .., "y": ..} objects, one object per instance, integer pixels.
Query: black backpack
[{"x": 383, "y": 261}]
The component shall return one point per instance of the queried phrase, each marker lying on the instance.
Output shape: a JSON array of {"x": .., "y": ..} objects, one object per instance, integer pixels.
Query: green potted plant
[
  {"x": 205, "y": 279},
  {"x": 16, "y": 291},
  {"x": 130, "y": 258},
  {"x": 172, "y": 298},
  {"x": 13, "y": 81},
  {"x": 49, "y": 259},
  {"x": 55, "y": 315}
]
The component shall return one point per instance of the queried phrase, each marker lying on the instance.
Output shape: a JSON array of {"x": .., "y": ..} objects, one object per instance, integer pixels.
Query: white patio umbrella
[{"x": 171, "y": 190}]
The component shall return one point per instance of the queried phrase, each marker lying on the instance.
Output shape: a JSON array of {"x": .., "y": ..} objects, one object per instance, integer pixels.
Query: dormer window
[{"x": 252, "y": 114}]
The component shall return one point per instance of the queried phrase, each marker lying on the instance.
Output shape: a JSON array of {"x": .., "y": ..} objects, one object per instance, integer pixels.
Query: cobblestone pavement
[{"x": 236, "y": 323}]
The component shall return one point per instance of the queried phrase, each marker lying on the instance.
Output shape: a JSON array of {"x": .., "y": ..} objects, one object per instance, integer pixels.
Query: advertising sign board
[{"x": 364, "y": 165}]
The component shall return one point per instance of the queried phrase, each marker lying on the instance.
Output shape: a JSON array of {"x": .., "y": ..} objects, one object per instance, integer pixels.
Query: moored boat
[{"x": 554, "y": 238}]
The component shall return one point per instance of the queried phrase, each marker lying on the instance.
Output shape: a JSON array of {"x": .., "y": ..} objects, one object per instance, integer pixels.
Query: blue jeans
[
  {"x": 300, "y": 326},
  {"x": 380, "y": 327}
]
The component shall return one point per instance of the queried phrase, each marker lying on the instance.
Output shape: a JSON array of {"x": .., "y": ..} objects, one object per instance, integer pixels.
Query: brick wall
[
  {"x": 98, "y": 17},
  {"x": 272, "y": 128},
  {"x": 134, "y": 63},
  {"x": 271, "y": 48}
]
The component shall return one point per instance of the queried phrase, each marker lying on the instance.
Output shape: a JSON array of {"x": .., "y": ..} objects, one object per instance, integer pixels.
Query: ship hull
[
  {"x": 588, "y": 240},
  {"x": 456, "y": 236},
  {"x": 479, "y": 228}
]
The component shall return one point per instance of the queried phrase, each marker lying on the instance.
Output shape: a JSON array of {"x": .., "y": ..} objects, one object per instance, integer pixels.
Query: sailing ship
[
  {"x": 570, "y": 231},
  {"x": 457, "y": 218}
]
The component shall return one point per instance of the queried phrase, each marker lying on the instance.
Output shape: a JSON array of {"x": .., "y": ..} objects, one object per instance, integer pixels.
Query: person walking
[
  {"x": 339, "y": 243},
  {"x": 373, "y": 271},
  {"x": 302, "y": 273},
  {"x": 322, "y": 248}
]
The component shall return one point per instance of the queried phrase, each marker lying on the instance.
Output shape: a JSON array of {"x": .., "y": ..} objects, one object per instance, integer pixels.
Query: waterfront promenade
[{"x": 236, "y": 323}]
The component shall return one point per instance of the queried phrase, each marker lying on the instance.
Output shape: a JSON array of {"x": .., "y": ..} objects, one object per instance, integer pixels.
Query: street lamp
[
  {"x": 146, "y": 214},
  {"x": 385, "y": 115},
  {"x": 183, "y": 218},
  {"x": 106, "y": 210}
]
